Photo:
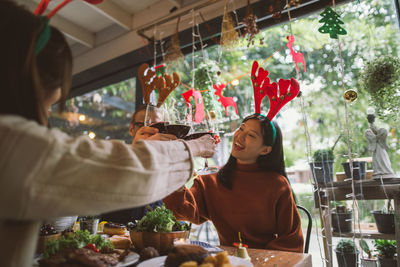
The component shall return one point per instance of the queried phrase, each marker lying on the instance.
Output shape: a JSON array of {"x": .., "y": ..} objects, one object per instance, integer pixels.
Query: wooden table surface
[{"x": 274, "y": 258}]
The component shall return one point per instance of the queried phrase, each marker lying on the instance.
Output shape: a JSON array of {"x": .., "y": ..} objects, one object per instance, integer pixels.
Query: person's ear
[
  {"x": 131, "y": 129},
  {"x": 266, "y": 150}
]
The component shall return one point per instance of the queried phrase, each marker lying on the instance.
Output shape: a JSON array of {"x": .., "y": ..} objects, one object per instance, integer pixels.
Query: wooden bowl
[
  {"x": 41, "y": 245},
  {"x": 160, "y": 241}
]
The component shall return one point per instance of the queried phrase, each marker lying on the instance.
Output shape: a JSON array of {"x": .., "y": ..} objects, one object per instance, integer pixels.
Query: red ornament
[
  {"x": 225, "y": 101},
  {"x": 198, "y": 100},
  {"x": 297, "y": 56}
]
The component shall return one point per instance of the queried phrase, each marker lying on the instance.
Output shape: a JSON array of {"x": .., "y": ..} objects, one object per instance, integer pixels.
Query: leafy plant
[
  {"x": 386, "y": 248},
  {"x": 364, "y": 246},
  {"x": 346, "y": 246},
  {"x": 78, "y": 239},
  {"x": 381, "y": 78},
  {"x": 160, "y": 219},
  {"x": 323, "y": 155}
]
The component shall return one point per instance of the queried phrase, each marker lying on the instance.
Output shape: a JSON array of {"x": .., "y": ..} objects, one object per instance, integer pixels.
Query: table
[
  {"x": 363, "y": 190},
  {"x": 274, "y": 258}
]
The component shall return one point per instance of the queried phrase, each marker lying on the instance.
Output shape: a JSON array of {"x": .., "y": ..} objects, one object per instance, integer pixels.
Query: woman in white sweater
[{"x": 45, "y": 173}]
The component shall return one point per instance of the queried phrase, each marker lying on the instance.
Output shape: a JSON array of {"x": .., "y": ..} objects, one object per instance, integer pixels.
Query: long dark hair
[
  {"x": 27, "y": 79},
  {"x": 273, "y": 161}
]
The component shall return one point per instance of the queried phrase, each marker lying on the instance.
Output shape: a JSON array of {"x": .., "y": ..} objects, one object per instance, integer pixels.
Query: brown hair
[{"x": 27, "y": 79}]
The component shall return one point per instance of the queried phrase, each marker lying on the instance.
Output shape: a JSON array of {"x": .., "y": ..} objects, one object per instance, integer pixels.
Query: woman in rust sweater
[{"x": 250, "y": 194}]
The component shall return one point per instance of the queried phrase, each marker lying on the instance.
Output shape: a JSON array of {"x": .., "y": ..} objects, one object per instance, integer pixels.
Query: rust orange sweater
[{"x": 260, "y": 206}]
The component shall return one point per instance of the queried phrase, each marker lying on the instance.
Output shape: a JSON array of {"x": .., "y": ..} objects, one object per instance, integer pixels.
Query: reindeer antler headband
[
  {"x": 288, "y": 89},
  {"x": 45, "y": 32}
]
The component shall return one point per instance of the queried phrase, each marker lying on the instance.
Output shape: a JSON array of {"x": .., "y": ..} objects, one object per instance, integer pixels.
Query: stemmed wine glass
[{"x": 210, "y": 127}]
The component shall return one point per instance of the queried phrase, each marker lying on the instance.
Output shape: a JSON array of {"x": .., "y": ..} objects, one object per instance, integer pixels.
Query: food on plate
[
  {"x": 47, "y": 229},
  {"x": 183, "y": 253},
  {"x": 82, "y": 249},
  {"x": 114, "y": 229},
  {"x": 47, "y": 233},
  {"x": 80, "y": 257},
  {"x": 121, "y": 241},
  {"x": 219, "y": 260},
  {"x": 160, "y": 219},
  {"x": 148, "y": 253}
]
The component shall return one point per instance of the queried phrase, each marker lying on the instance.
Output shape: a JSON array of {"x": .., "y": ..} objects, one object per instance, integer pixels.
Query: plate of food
[
  {"x": 83, "y": 248},
  {"x": 194, "y": 255}
]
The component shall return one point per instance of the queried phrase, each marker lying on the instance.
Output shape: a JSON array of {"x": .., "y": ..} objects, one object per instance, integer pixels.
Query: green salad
[
  {"x": 160, "y": 219},
  {"x": 78, "y": 239}
]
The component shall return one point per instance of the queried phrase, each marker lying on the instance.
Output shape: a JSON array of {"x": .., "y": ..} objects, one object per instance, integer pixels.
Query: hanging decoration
[
  {"x": 275, "y": 9},
  {"x": 229, "y": 36},
  {"x": 251, "y": 29},
  {"x": 350, "y": 95},
  {"x": 209, "y": 29},
  {"x": 288, "y": 89},
  {"x": 332, "y": 23},
  {"x": 163, "y": 83},
  {"x": 297, "y": 56},
  {"x": 174, "y": 53},
  {"x": 225, "y": 101},
  {"x": 293, "y": 3},
  {"x": 199, "y": 104}
]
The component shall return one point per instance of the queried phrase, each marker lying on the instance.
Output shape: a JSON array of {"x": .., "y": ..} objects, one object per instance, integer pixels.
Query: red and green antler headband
[
  {"x": 45, "y": 33},
  {"x": 288, "y": 89}
]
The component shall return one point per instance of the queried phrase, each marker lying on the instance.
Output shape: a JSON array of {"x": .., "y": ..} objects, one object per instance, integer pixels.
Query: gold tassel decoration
[
  {"x": 229, "y": 36},
  {"x": 174, "y": 53}
]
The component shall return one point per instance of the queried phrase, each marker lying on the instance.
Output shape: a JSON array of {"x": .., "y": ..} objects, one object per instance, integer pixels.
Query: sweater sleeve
[
  {"x": 289, "y": 234},
  {"x": 46, "y": 173},
  {"x": 189, "y": 204}
]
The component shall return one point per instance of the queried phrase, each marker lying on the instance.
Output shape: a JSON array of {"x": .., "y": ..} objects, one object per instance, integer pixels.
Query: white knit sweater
[{"x": 45, "y": 173}]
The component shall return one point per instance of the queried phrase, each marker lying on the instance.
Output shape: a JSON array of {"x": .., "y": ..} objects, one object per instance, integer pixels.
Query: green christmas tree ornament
[{"x": 332, "y": 23}]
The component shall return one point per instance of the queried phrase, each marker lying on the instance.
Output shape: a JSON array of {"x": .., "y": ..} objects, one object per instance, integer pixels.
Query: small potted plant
[
  {"x": 371, "y": 261},
  {"x": 322, "y": 166},
  {"x": 386, "y": 252},
  {"x": 359, "y": 170},
  {"x": 346, "y": 253},
  {"x": 341, "y": 218},
  {"x": 89, "y": 223},
  {"x": 384, "y": 219}
]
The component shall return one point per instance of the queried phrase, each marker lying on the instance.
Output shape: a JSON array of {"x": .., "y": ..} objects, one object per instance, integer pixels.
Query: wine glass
[
  {"x": 155, "y": 117},
  {"x": 209, "y": 127}
]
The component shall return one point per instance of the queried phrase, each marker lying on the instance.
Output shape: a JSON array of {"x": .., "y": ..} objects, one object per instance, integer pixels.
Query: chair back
[{"x": 309, "y": 226}]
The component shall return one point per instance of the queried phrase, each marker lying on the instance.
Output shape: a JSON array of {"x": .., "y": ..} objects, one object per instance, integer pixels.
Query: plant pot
[
  {"x": 387, "y": 262},
  {"x": 90, "y": 225},
  {"x": 341, "y": 222},
  {"x": 347, "y": 259},
  {"x": 359, "y": 170},
  {"x": 384, "y": 222},
  {"x": 322, "y": 171},
  {"x": 365, "y": 262},
  {"x": 163, "y": 242}
]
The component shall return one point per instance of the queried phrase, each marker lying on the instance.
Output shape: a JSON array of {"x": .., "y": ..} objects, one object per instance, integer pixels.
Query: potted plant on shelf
[
  {"x": 371, "y": 261},
  {"x": 322, "y": 166},
  {"x": 384, "y": 219},
  {"x": 359, "y": 170},
  {"x": 386, "y": 252},
  {"x": 346, "y": 253},
  {"x": 341, "y": 218},
  {"x": 89, "y": 223}
]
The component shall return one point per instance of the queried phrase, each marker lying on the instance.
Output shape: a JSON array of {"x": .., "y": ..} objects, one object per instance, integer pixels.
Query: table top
[{"x": 274, "y": 258}]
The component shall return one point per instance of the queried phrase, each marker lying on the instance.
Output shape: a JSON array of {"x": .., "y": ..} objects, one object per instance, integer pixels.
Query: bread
[
  {"x": 114, "y": 229},
  {"x": 121, "y": 242},
  {"x": 183, "y": 253}
]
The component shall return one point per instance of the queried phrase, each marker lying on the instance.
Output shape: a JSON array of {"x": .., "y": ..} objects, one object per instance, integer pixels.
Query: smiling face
[
  {"x": 248, "y": 142},
  {"x": 154, "y": 116}
]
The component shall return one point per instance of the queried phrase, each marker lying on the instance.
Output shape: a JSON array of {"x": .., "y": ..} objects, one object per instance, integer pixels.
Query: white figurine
[{"x": 377, "y": 144}]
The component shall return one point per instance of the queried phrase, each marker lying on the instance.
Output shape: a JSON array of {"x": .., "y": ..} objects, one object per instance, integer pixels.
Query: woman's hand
[
  {"x": 151, "y": 133},
  {"x": 203, "y": 146}
]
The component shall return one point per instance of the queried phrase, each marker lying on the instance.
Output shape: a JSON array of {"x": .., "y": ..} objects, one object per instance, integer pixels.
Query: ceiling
[{"x": 110, "y": 40}]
